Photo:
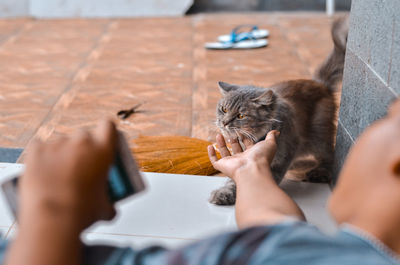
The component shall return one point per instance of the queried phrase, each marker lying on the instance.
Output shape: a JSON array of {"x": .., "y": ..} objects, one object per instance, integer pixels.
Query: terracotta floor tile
[{"x": 58, "y": 76}]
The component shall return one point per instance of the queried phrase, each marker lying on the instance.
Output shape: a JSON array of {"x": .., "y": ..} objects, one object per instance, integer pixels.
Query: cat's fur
[{"x": 302, "y": 110}]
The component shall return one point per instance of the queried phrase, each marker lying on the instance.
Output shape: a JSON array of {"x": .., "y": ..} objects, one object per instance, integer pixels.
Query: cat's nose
[{"x": 225, "y": 123}]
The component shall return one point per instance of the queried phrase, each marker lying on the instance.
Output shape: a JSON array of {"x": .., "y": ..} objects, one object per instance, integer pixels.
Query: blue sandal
[{"x": 241, "y": 40}]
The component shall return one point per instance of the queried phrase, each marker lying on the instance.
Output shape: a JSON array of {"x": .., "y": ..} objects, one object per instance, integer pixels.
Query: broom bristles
[{"x": 173, "y": 154}]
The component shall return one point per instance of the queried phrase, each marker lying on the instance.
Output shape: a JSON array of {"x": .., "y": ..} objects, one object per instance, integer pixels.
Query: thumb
[
  {"x": 106, "y": 134},
  {"x": 271, "y": 146}
]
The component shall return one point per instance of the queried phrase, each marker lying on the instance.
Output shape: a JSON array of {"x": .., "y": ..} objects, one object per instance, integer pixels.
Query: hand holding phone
[{"x": 123, "y": 177}]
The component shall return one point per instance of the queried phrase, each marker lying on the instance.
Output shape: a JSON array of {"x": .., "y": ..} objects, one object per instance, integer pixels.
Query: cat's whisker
[
  {"x": 276, "y": 120},
  {"x": 237, "y": 133},
  {"x": 247, "y": 134}
]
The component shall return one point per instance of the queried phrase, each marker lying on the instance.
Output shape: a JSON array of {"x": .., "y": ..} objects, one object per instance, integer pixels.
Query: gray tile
[
  {"x": 370, "y": 34},
  {"x": 11, "y": 8},
  {"x": 381, "y": 31},
  {"x": 353, "y": 82},
  {"x": 376, "y": 99},
  {"x": 394, "y": 81},
  {"x": 10, "y": 155},
  {"x": 364, "y": 97},
  {"x": 343, "y": 145},
  {"x": 359, "y": 36}
]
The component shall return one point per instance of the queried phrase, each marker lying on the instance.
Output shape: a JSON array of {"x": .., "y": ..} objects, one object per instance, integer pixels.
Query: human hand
[
  {"x": 67, "y": 179},
  {"x": 259, "y": 155}
]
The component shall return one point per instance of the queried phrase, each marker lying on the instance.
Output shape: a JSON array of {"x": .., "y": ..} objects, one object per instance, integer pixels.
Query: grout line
[
  {"x": 347, "y": 132},
  {"x": 193, "y": 21},
  {"x": 18, "y": 32},
  {"x": 293, "y": 46},
  {"x": 5, "y": 234},
  {"x": 148, "y": 236},
  {"x": 199, "y": 73},
  {"x": 391, "y": 51},
  {"x": 374, "y": 72},
  {"x": 9, "y": 230},
  {"x": 44, "y": 129}
]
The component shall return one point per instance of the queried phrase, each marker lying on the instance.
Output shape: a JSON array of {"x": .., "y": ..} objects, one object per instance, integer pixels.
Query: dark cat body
[
  {"x": 309, "y": 126},
  {"x": 304, "y": 111}
]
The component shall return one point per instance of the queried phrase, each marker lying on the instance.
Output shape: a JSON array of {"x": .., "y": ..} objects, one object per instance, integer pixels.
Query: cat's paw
[
  {"x": 223, "y": 196},
  {"x": 319, "y": 175}
]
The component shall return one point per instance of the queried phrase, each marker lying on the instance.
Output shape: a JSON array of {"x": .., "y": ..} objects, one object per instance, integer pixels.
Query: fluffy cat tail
[{"x": 331, "y": 71}]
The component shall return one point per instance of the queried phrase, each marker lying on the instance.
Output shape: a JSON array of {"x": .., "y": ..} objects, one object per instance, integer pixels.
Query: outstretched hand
[{"x": 260, "y": 154}]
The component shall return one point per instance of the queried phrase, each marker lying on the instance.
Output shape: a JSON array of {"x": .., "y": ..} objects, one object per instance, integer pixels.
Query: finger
[
  {"x": 35, "y": 146},
  {"x": 247, "y": 143},
  {"x": 58, "y": 139},
  {"x": 212, "y": 154},
  {"x": 106, "y": 134},
  {"x": 270, "y": 140},
  {"x": 80, "y": 137},
  {"x": 109, "y": 214},
  {"x": 34, "y": 151},
  {"x": 223, "y": 149},
  {"x": 236, "y": 148}
]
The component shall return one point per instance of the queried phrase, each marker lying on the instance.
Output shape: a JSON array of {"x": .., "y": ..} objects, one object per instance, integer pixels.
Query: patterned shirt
[{"x": 287, "y": 243}]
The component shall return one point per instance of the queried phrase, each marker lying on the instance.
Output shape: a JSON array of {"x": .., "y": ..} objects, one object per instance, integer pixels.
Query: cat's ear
[
  {"x": 266, "y": 98},
  {"x": 225, "y": 87}
]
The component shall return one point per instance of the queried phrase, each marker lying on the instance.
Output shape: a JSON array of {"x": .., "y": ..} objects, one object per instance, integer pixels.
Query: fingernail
[{"x": 273, "y": 133}]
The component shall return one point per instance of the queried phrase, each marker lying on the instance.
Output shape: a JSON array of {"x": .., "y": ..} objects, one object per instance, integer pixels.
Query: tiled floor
[
  {"x": 154, "y": 216},
  {"x": 174, "y": 211},
  {"x": 60, "y": 75}
]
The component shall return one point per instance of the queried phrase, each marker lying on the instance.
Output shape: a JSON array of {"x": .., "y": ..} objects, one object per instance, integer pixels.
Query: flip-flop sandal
[
  {"x": 254, "y": 33},
  {"x": 244, "y": 44},
  {"x": 244, "y": 40}
]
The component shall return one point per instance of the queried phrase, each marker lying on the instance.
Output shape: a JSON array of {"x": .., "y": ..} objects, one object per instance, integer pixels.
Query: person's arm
[
  {"x": 259, "y": 200},
  {"x": 46, "y": 239},
  {"x": 63, "y": 191}
]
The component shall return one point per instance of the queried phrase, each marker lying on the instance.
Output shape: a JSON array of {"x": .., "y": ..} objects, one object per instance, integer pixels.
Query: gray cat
[{"x": 303, "y": 111}]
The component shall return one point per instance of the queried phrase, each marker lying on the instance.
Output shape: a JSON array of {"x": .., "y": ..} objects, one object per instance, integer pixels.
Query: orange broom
[
  {"x": 173, "y": 154},
  {"x": 170, "y": 154}
]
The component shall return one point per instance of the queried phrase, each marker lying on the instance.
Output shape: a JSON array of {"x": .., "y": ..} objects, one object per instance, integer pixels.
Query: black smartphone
[{"x": 124, "y": 178}]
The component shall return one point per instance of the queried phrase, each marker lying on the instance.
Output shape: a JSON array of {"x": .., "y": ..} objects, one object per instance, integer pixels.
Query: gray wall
[
  {"x": 108, "y": 8},
  {"x": 93, "y": 8},
  {"x": 118, "y": 8},
  {"x": 264, "y": 5},
  {"x": 14, "y": 8},
  {"x": 372, "y": 70}
]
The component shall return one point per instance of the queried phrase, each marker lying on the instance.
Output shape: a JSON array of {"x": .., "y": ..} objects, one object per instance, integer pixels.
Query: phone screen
[{"x": 119, "y": 185}]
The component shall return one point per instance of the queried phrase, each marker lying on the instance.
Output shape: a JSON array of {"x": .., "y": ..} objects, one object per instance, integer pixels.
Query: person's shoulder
[
  {"x": 367, "y": 241},
  {"x": 295, "y": 230},
  {"x": 298, "y": 242}
]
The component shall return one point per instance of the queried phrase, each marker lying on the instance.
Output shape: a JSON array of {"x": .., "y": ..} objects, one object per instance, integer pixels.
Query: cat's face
[{"x": 245, "y": 110}]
